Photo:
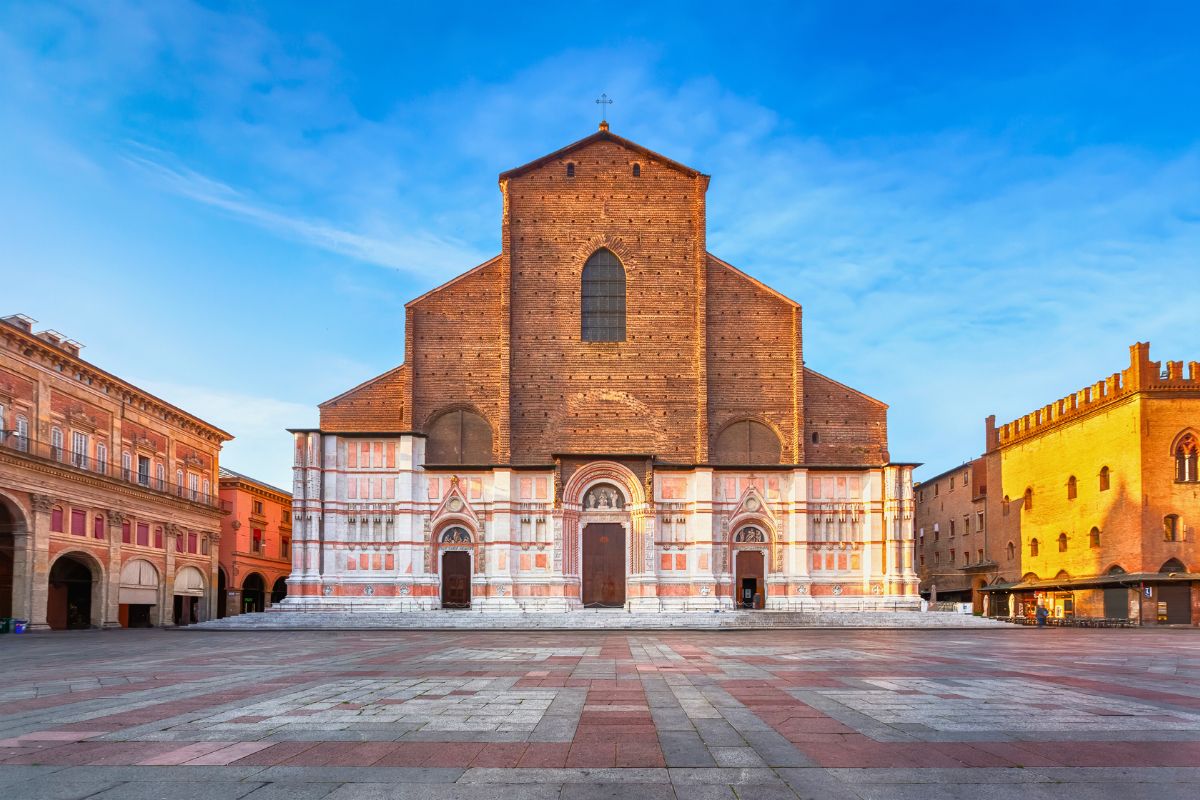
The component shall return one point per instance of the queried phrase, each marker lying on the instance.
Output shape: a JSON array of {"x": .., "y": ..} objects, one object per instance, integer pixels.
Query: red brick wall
[
  {"x": 852, "y": 427},
  {"x": 753, "y": 350},
  {"x": 377, "y": 405},
  {"x": 457, "y": 335},
  {"x": 636, "y": 396}
]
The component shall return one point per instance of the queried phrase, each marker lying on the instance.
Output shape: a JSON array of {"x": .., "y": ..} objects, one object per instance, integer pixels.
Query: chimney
[{"x": 20, "y": 321}]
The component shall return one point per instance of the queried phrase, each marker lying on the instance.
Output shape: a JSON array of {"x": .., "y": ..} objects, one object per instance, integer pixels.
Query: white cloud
[
  {"x": 262, "y": 448},
  {"x": 422, "y": 253}
]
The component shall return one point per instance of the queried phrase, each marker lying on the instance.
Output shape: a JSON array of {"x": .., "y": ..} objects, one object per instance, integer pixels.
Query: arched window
[
  {"x": 1004, "y": 505},
  {"x": 98, "y": 527},
  {"x": 637, "y": 170},
  {"x": 1033, "y": 547},
  {"x": 1062, "y": 543},
  {"x": 1187, "y": 456},
  {"x": 459, "y": 437},
  {"x": 1104, "y": 479},
  {"x": 1172, "y": 565},
  {"x": 1029, "y": 499},
  {"x": 1012, "y": 551},
  {"x": 570, "y": 170},
  {"x": 56, "y": 444},
  {"x": 22, "y": 434},
  {"x": 602, "y": 298},
  {"x": 1094, "y": 537},
  {"x": 816, "y": 437},
  {"x": 1072, "y": 488},
  {"x": 1171, "y": 528},
  {"x": 56, "y": 519},
  {"x": 748, "y": 442}
]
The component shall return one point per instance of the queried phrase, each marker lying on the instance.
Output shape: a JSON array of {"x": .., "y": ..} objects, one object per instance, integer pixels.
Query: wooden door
[
  {"x": 456, "y": 579},
  {"x": 604, "y": 565},
  {"x": 749, "y": 583}
]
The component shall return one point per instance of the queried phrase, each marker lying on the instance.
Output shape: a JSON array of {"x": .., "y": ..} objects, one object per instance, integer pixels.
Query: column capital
[{"x": 41, "y": 502}]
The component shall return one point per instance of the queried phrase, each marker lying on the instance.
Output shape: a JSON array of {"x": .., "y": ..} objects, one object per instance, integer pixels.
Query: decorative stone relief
[
  {"x": 368, "y": 590},
  {"x": 837, "y": 589},
  {"x": 327, "y": 590},
  {"x": 750, "y": 534},
  {"x": 603, "y": 497},
  {"x": 404, "y": 590},
  {"x": 41, "y": 502},
  {"x": 456, "y": 535}
]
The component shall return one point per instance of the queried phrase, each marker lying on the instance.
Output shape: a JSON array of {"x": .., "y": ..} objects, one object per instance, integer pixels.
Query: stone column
[
  {"x": 112, "y": 600},
  {"x": 166, "y": 609},
  {"x": 214, "y": 555},
  {"x": 38, "y": 549}
]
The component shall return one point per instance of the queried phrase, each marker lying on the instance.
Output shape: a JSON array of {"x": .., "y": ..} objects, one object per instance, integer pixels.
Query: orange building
[
  {"x": 1094, "y": 500},
  {"x": 107, "y": 514},
  {"x": 256, "y": 544}
]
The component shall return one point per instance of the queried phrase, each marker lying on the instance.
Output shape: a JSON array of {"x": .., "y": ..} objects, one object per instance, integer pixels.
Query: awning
[{"x": 1094, "y": 582}]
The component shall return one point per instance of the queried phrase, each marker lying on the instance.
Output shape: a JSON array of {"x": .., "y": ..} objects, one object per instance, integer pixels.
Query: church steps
[{"x": 591, "y": 620}]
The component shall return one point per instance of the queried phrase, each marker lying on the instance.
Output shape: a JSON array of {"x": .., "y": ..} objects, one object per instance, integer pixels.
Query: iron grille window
[{"x": 603, "y": 299}]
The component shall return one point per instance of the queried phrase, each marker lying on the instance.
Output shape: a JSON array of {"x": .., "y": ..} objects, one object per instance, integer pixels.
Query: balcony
[{"x": 11, "y": 441}]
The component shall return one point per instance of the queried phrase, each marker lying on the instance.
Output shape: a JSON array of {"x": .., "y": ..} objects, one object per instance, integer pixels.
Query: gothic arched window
[
  {"x": 1062, "y": 543},
  {"x": 748, "y": 442},
  {"x": 1104, "y": 479},
  {"x": 1028, "y": 499},
  {"x": 459, "y": 437},
  {"x": 602, "y": 298},
  {"x": 1094, "y": 537},
  {"x": 1033, "y": 547},
  {"x": 1187, "y": 454},
  {"x": 1072, "y": 488}
]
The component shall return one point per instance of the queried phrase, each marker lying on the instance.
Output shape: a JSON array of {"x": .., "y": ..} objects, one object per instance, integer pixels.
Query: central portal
[
  {"x": 456, "y": 579},
  {"x": 604, "y": 565},
  {"x": 749, "y": 574}
]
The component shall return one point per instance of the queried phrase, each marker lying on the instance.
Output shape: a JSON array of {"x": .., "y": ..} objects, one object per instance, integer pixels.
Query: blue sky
[{"x": 979, "y": 205}]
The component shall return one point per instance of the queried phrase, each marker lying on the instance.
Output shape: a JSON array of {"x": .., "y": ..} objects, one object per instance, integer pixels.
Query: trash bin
[
  {"x": 6, "y": 624},
  {"x": 19, "y": 625}
]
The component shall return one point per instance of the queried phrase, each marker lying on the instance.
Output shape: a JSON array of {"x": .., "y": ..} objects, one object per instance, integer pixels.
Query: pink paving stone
[
  {"x": 500, "y": 754},
  {"x": 60, "y": 736},
  {"x": 182, "y": 755},
  {"x": 227, "y": 755}
]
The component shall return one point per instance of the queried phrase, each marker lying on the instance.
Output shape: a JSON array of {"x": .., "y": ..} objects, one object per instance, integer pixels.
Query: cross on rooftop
[{"x": 604, "y": 102}]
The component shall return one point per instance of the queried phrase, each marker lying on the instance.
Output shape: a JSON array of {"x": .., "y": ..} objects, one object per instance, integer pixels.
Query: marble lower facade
[{"x": 603, "y": 533}]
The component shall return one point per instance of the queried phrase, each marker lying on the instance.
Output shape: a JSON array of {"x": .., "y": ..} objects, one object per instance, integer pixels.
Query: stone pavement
[{"x": 1009, "y": 713}]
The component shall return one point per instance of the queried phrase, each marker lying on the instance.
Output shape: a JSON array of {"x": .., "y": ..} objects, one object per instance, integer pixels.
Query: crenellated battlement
[{"x": 1142, "y": 375}]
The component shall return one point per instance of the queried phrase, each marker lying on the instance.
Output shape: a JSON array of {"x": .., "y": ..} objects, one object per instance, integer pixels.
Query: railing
[{"x": 47, "y": 451}]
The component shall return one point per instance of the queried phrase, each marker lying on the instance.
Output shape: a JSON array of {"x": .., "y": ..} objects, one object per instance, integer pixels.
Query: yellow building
[{"x": 1094, "y": 500}]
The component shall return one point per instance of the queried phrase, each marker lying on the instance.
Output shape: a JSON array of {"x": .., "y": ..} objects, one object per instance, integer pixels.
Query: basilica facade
[{"x": 603, "y": 415}]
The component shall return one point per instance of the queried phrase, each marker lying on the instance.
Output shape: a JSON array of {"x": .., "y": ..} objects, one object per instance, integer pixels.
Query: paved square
[{"x": 1001, "y": 713}]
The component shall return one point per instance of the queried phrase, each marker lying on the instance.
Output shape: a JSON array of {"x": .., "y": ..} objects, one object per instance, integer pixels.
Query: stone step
[{"x": 590, "y": 620}]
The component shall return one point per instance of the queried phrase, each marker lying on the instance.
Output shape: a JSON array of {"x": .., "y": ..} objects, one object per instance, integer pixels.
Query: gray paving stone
[
  {"x": 617, "y": 791},
  {"x": 684, "y": 749},
  {"x": 736, "y": 757},
  {"x": 17, "y": 773},
  {"x": 423, "y": 775},
  {"x": 41, "y": 789},
  {"x": 292, "y": 790},
  {"x": 732, "y": 776},
  {"x": 175, "y": 790},
  {"x": 567, "y": 775},
  {"x": 718, "y": 733},
  {"x": 443, "y": 791}
]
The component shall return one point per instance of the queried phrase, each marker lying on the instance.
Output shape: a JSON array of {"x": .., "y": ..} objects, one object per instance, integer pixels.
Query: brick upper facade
[{"x": 706, "y": 345}]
